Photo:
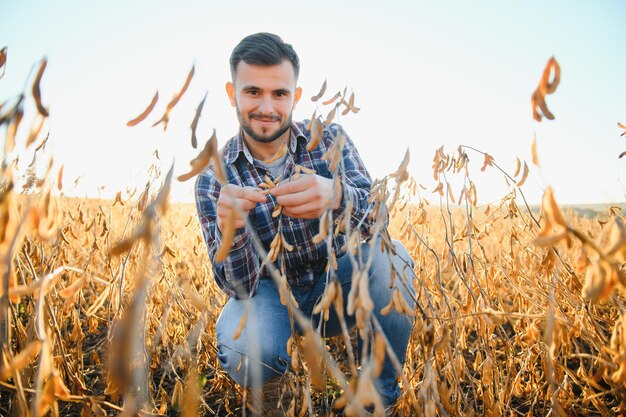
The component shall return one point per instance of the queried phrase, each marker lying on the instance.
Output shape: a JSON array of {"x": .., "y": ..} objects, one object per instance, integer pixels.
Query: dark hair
[{"x": 263, "y": 49}]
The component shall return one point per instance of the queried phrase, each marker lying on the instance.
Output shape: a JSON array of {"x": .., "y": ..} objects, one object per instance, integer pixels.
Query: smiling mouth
[{"x": 266, "y": 119}]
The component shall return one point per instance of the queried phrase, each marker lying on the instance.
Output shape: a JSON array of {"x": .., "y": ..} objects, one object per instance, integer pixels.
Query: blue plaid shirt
[{"x": 240, "y": 272}]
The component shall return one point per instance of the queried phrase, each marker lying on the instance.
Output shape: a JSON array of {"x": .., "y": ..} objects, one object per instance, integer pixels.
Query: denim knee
[
  {"x": 240, "y": 366},
  {"x": 260, "y": 351}
]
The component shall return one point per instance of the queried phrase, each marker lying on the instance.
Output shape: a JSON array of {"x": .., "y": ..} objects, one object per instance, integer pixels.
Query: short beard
[
  {"x": 262, "y": 139},
  {"x": 265, "y": 139}
]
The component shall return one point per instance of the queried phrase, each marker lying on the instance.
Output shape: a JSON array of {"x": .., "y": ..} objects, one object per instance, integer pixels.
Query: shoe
[{"x": 269, "y": 401}]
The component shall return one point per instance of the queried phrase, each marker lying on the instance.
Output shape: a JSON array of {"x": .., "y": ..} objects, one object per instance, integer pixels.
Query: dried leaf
[
  {"x": 146, "y": 112},
  {"x": 320, "y": 94},
  {"x": 196, "y": 119}
]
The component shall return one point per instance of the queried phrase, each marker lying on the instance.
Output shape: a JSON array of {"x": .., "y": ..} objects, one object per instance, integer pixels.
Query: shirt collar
[{"x": 238, "y": 145}]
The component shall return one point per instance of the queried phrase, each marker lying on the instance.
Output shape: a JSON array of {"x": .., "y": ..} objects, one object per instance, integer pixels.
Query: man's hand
[
  {"x": 233, "y": 196},
  {"x": 307, "y": 197}
]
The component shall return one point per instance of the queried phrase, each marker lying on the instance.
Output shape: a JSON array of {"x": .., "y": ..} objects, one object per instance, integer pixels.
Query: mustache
[{"x": 272, "y": 117}]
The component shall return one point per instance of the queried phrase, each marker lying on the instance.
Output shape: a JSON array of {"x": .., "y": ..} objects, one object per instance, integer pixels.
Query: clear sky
[{"x": 425, "y": 74}]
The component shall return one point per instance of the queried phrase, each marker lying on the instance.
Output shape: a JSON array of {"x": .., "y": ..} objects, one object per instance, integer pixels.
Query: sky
[{"x": 425, "y": 74}]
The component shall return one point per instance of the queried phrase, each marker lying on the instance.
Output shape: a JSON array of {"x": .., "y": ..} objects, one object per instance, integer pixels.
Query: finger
[
  {"x": 308, "y": 209},
  {"x": 248, "y": 193},
  {"x": 295, "y": 186},
  {"x": 246, "y": 205},
  {"x": 239, "y": 224},
  {"x": 253, "y": 194},
  {"x": 296, "y": 199},
  {"x": 298, "y": 215}
]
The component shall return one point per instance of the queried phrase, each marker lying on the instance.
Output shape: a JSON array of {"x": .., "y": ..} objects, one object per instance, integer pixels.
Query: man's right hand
[{"x": 233, "y": 196}]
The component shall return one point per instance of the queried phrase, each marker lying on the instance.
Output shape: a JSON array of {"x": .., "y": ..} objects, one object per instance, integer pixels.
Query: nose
[{"x": 266, "y": 106}]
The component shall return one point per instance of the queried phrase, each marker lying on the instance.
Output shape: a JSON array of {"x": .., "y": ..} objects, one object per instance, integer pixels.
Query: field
[
  {"x": 503, "y": 327},
  {"x": 108, "y": 307}
]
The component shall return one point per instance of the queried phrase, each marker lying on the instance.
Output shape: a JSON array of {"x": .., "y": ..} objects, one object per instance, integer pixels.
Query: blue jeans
[{"x": 260, "y": 353}]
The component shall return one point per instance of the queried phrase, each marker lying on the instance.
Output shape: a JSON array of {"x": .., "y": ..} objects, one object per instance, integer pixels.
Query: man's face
[{"x": 265, "y": 97}]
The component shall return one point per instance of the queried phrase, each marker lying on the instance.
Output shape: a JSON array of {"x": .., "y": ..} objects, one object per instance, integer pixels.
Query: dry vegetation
[{"x": 108, "y": 307}]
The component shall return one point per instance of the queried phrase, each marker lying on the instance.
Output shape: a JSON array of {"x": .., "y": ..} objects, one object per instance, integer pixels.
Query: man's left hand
[{"x": 307, "y": 197}]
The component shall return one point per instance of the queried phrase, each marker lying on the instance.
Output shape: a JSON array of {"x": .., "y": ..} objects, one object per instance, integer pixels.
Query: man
[{"x": 264, "y": 92}]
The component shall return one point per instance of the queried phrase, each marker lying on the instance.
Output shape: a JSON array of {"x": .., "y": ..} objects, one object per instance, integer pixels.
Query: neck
[{"x": 263, "y": 151}]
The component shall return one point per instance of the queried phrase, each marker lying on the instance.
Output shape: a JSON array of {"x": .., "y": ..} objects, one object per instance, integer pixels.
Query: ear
[
  {"x": 296, "y": 96},
  {"x": 230, "y": 90}
]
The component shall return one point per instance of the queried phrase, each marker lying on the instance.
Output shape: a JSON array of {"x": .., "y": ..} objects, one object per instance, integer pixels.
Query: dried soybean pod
[
  {"x": 518, "y": 166},
  {"x": 524, "y": 176},
  {"x": 21, "y": 360},
  {"x": 60, "y": 178},
  {"x": 330, "y": 116},
  {"x": 42, "y": 144},
  {"x": 3, "y": 59},
  {"x": 332, "y": 99},
  {"x": 36, "y": 90},
  {"x": 218, "y": 162},
  {"x": 227, "y": 237},
  {"x": 146, "y": 112},
  {"x": 35, "y": 130},
  {"x": 533, "y": 151},
  {"x": 201, "y": 161},
  {"x": 166, "y": 116},
  {"x": 317, "y": 130},
  {"x": 241, "y": 325},
  {"x": 321, "y": 93},
  {"x": 547, "y": 86},
  {"x": 196, "y": 119},
  {"x": 353, "y": 108},
  {"x": 177, "y": 97},
  {"x": 288, "y": 247},
  {"x": 308, "y": 125}
]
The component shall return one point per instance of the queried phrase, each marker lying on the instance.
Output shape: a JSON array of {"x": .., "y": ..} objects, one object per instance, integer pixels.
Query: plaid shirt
[{"x": 238, "y": 275}]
